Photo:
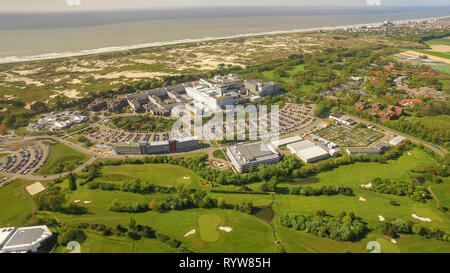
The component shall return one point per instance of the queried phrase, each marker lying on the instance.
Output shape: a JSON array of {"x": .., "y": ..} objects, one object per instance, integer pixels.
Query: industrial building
[
  {"x": 159, "y": 147},
  {"x": 223, "y": 84},
  {"x": 378, "y": 149},
  {"x": 396, "y": 140},
  {"x": 262, "y": 89},
  {"x": 251, "y": 154},
  {"x": 25, "y": 239},
  {"x": 340, "y": 118},
  {"x": 208, "y": 97},
  {"x": 308, "y": 151},
  {"x": 286, "y": 141}
]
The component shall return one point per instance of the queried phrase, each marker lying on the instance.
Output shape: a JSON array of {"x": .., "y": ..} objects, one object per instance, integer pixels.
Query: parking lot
[
  {"x": 26, "y": 160},
  {"x": 106, "y": 135},
  {"x": 294, "y": 116}
]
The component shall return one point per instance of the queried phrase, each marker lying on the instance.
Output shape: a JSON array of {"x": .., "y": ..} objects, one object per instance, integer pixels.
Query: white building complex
[
  {"x": 208, "y": 97},
  {"x": 308, "y": 151},
  {"x": 251, "y": 154},
  {"x": 25, "y": 239}
]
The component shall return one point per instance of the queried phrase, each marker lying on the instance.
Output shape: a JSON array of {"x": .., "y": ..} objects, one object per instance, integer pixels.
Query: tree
[
  {"x": 72, "y": 181},
  {"x": 273, "y": 184},
  {"x": 71, "y": 233},
  {"x": 132, "y": 223}
]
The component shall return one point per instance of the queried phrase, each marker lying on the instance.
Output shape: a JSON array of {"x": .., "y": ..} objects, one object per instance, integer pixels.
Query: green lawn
[
  {"x": 96, "y": 243},
  {"x": 442, "y": 68},
  {"x": 61, "y": 153},
  {"x": 15, "y": 203},
  {"x": 158, "y": 174},
  {"x": 434, "y": 53},
  {"x": 250, "y": 233},
  {"x": 442, "y": 41},
  {"x": 208, "y": 225},
  {"x": 376, "y": 204}
]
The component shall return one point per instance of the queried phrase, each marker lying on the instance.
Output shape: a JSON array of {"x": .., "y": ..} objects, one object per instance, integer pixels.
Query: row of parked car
[
  {"x": 4, "y": 182},
  {"x": 24, "y": 165},
  {"x": 10, "y": 161}
]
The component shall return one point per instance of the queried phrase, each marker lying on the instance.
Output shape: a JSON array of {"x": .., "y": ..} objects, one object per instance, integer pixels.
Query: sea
[{"x": 34, "y": 36}]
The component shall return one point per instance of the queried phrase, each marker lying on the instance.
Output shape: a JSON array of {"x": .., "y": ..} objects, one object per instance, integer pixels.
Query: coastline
[{"x": 67, "y": 54}]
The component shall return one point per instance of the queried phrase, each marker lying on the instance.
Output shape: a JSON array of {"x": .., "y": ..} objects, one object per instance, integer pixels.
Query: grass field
[
  {"x": 442, "y": 41},
  {"x": 208, "y": 225},
  {"x": 15, "y": 203},
  {"x": 250, "y": 233},
  {"x": 434, "y": 53},
  {"x": 442, "y": 68},
  {"x": 96, "y": 243},
  {"x": 158, "y": 174},
  {"x": 60, "y": 153}
]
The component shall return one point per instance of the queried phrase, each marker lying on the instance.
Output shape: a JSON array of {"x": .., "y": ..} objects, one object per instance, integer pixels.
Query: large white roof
[{"x": 282, "y": 142}]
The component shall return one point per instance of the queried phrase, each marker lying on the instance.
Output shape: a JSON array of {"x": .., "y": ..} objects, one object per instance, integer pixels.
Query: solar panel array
[{"x": 25, "y": 237}]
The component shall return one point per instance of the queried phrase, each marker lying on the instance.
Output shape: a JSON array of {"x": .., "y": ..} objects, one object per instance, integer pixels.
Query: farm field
[{"x": 62, "y": 154}]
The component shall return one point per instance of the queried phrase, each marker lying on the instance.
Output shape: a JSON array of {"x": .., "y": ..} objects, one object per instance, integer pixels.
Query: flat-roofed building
[
  {"x": 187, "y": 144},
  {"x": 132, "y": 148},
  {"x": 25, "y": 239},
  {"x": 396, "y": 140},
  {"x": 251, "y": 154},
  {"x": 286, "y": 141},
  {"x": 261, "y": 88},
  {"x": 378, "y": 149},
  {"x": 308, "y": 151},
  {"x": 209, "y": 97},
  {"x": 342, "y": 119},
  {"x": 157, "y": 147}
]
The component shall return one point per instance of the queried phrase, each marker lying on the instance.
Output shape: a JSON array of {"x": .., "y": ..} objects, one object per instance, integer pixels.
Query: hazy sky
[{"x": 91, "y": 5}]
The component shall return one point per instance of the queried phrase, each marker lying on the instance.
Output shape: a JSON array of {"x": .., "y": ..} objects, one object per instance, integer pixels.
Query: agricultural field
[
  {"x": 62, "y": 158},
  {"x": 349, "y": 137}
]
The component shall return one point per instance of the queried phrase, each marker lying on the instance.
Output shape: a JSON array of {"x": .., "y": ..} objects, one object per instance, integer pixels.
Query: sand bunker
[
  {"x": 76, "y": 201},
  {"x": 393, "y": 241},
  {"x": 87, "y": 202},
  {"x": 186, "y": 177},
  {"x": 226, "y": 229},
  {"x": 381, "y": 218},
  {"x": 189, "y": 233},
  {"x": 423, "y": 219},
  {"x": 367, "y": 186},
  {"x": 362, "y": 199},
  {"x": 35, "y": 188}
]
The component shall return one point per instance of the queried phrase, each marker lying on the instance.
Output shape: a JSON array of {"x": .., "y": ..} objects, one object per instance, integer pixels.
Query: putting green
[{"x": 208, "y": 224}]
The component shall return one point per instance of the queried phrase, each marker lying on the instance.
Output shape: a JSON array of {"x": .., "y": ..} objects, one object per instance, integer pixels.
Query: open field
[
  {"x": 60, "y": 153},
  {"x": 158, "y": 174},
  {"x": 444, "y": 68},
  {"x": 16, "y": 203},
  {"x": 96, "y": 243},
  {"x": 443, "y": 41}
]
